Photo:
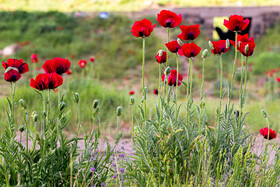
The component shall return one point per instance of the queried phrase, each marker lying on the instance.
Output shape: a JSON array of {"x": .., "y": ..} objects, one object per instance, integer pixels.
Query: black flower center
[
  {"x": 141, "y": 33},
  {"x": 168, "y": 23},
  {"x": 237, "y": 28},
  {"x": 190, "y": 36}
]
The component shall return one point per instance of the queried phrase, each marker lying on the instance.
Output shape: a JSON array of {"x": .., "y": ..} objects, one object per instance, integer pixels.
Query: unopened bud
[
  {"x": 21, "y": 128},
  {"x": 160, "y": 52},
  {"x": 264, "y": 114},
  {"x": 95, "y": 103},
  {"x": 119, "y": 111},
  {"x": 96, "y": 110},
  {"x": 167, "y": 70},
  {"x": 239, "y": 43},
  {"x": 202, "y": 104},
  {"x": 22, "y": 104},
  {"x": 76, "y": 97},
  {"x": 210, "y": 45},
  {"x": 227, "y": 43},
  {"x": 180, "y": 42},
  {"x": 44, "y": 113},
  {"x": 61, "y": 106},
  {"x": 35, "y": 116},
  {"x": 132, "y": 100},
  {"x": 205, "y": 53},
  {"x": 247, "y": 48}
]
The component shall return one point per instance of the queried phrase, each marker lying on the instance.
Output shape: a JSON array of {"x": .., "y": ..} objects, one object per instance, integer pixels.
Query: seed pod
[
  {"x": 76, "y": 97},
  {"x": 95, "y": 103},
  {"x": 167, "y": 71},
  {"x": 264, "y": 114},
  {"x": 132, "y": 100},
  {"x": 119, "y": 111},
  {"x": 22, "y": 103},
  {"x": 61, "y": 106},
  {"x": 21, "y": 128},
  {"x": 180, "y": 42},
  {"x": 210, "y": 45},
  {"x": 227, "y": 43},
  {"x": 205, "y": 53}
]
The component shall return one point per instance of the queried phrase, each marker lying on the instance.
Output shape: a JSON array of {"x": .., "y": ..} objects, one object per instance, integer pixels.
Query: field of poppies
[{"x": 55, "y": 131}]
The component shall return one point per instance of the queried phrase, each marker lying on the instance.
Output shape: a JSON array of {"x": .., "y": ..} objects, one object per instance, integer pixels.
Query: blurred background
[{"x": 81, "y": 29}]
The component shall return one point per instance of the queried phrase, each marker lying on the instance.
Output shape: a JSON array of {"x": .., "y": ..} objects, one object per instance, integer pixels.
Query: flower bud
[
  {"x": 44, "y": 114},
  {"x": 97, "y": 109},
  {"x": 21, "y": 128},
  {"x": 119, "y": 111},
  {"x": 95, "y": 103},
  {"x": 61, "y": 106},
  {"x": 210, "y": 45},
  {"x": 227, "y": 43},
  {"x": 160, "y": 52},
  {"x": 205, "y": 53},
  {"x": 264, "y": 114},
  {"x": 247, "y": 48},
  {"x": 180, "y": 42},
  {"x": 76, "y": 97},
  {"x": 35, "y": 116},
  {"x": 132, "y": 100},
  {"x": 167, "y": 71},
  {"x": 22, "y": 103},
  {"x": 202, "y": 104},
  {"x": 239, "y": 43}
]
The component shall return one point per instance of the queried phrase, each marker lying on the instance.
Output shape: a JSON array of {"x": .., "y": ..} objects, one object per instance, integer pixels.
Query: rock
[{"x": 9, "y": 50}]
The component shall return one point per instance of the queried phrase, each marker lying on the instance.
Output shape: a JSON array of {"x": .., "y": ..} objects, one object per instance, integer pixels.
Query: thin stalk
[
  {"x": 168, "y": 33},
  {"x": 159, "y": 85},
  {"x": 26, "y": 124},
  {"x": 191, "y": 78},
  {"x": 79, "y": 119},
  {"x": 241, "y": 96},
  {"x": 177, "y": 84},
  {"x": 13, "y": 85},
  {"x": 221, "y": 89},
  {"x": 132, "y": 123},
  {"x": 143, "y": 78},
  {"x": 233, "y": 71},
  {"x": 202, "y": 80},
  {"x": 118, "y": 118}
]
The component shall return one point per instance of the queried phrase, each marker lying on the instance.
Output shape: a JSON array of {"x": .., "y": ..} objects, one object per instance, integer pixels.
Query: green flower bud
[
  {"x": 95, "y": 103},
  {"x": 61, "y": 106},
  {"x": 167, "y": 71},
  {"x": 119, "y": 111},
  {"x": 21, "y": 128},
  {"x": 180, "y": 42},
  {"x": 22, "y": 104},
  {"x": 210, "y": 45},
  {"x": 202, "y": 104},
  {"x": 44, "y": 114},
  {"x": 35, "y": 116},
  {"x": 205, "y": 53},
  {"x": 132, "y": 100},
  {"x": 264, "y": 114},
  {"x": 247, "y": 48},
  {"x": 76, "y": 97},
  {"x": 227, "y": 43}
]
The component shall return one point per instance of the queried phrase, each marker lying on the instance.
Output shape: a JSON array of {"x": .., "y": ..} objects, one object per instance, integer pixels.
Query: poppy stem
[
  {"x": 177, "y": 84},
  {"x": 191, "y": 78},
  {"x": 168, "y": 33},
  {"x": 241, "y": 96},
  {"x": 233, "y": 71},
  {"x": 13, "y": 105},
  {"x": 221, "y": 89},
  {"x": 202, "y": 81},
  {"x": 143, "y": 78},
  {"x": 132, "y": 123},
  {"x": 159, "y": 81}
]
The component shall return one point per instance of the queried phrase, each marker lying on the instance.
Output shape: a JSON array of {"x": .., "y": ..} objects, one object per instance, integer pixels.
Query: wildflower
[
  {"x": 242, "y": 42},
  {"x": 69, "y": 72},
  {"x": 278, "y": 79},
  {"x": 82, "y": 63},
  {"x": 122, "y": 155},
  {"x": 92, "y": 59},
  {"x": 102, "y": 184},
  {"x": 34, "y": 58},
  {"x": 131, "y": 92},
  {"x": 122, "y": 170},
  {"x": 270, "y": 74},
  {"x": 219, "y": 47},
  {"x": 190, "y": 32},
  {"x": 169, "y": 19},
  {"x": 115, "y": 176},
  {"x": 57, "y": 65},
  {"x": 190, "y": 50},
  {"x": 93, "y": 169},
  {"x": 46, "y": 81},
  {"x": 236, "y": 23},
  {"x": 18, "y": 64},
  {"x": 142, "y": 28},
  {"x": 264, "y": 133},
  {"x": 12, "y": 75},
  {"x": 161, "y": 57},
  {"x": 273, "y": 70},
  {"x": 173, "y": 46},
  {"x": 172, "y": 78},
  {"x": 155, "y": 91}
]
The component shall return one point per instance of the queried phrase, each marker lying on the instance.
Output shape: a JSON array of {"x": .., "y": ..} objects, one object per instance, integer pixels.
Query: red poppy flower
[
  {"x": 242, "y": 41},
  {"x": 189, "y": 32},
  {"x": 161, "y": 57},
  {"x": 57, "y": 65},
  {"x": 190, "y": 50},
  {"x": 236, "y": 23},
  {"x": 270, "y": 74},
  {"x": 172, "y": 78},
  {"x": 169, "y": 19},
  {"x": 264, "y": 132},
  {"x": 12, "y": 75},
  {"x": 69, "y": 72},
  {"x": 34, "y": 58},
  {"x": 173, "y": 46},
  {"x": 92, "y": 59},
  {"x": 131, "y": 92},
  {"x": 219, "y": 47},
  {"x": 72, "y": 56},
  {"x": 278, "y": 79},
  {"x": 142, "y": 28},
  {"x": 82, "y": 63},
  {"x": 155, "y": 91},
  {"x": 19, "y": 64},
  {"x": 46, "y": 81},
  {"x": 273, "y": 70}
]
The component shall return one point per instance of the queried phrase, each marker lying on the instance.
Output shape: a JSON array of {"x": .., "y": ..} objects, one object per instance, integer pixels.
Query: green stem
[
  {"x": 202, "y": 80},
  {"x": 132, "y": 123},
  {"x": 241, "y": 96},
  {"x": 177, "y": 84},
  {"x": 118, "y": 118},
  {"x": 159, "y": 85},
  {"x": 168, "y": 33},
  {"x": 26, "y": 125},
  {"x": 143, "y": 78},
  {"x": 79, "y": 119},
  {"x": 221, "y": 89},
  {"x": 233, "y": 71},
  {"x": 191, "y": 78}
]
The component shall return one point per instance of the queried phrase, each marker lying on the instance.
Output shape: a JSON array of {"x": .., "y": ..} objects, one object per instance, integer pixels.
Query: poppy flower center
[
  {"x": 190, "y": 36},
  {"x": 13, "y": 78},
  {"x": 141, "y": 33},
  {"x": 168, "y": 23},
  {"x": 237, "y": 27}
]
